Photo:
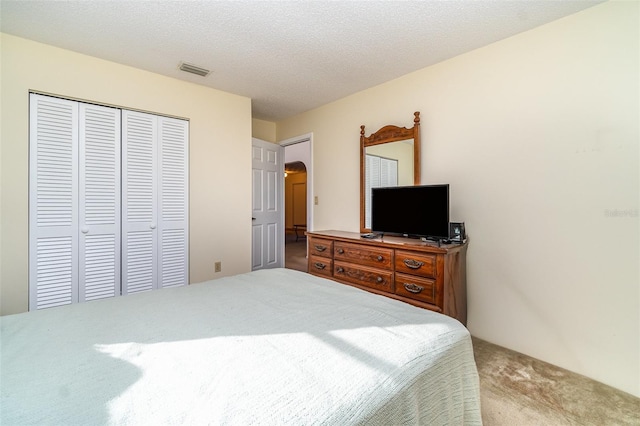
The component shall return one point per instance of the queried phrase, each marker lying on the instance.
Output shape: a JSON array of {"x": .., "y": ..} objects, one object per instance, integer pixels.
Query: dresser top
[{"x": 386, "y": 241}]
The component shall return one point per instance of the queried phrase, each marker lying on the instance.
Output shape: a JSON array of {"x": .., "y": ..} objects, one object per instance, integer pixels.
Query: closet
[{"x": 108, "y": 203}]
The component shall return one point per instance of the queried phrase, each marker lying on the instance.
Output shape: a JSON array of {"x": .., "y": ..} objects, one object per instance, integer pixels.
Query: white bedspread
[{"x": 268, "y": 347}]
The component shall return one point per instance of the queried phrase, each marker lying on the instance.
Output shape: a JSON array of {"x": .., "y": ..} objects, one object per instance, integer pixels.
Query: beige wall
[
  {"x": 265, "y": 130},
  {"x": 538, "y": 137},
  {"x": 220, "y": 151}
]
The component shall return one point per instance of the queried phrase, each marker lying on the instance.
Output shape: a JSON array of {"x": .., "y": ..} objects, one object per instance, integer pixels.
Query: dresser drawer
[
  {"x": 320, "y": 247},
  {"x": 369, "y": 277},
  {"x": 417, "y": 288},
  {"x": 320, "y": 266},
  {"x": 416, "y": 263},
  {"x": 362, "y": 255}
]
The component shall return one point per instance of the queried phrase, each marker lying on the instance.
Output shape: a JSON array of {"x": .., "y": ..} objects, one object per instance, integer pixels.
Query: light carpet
[{"x": 516, "y": 389}]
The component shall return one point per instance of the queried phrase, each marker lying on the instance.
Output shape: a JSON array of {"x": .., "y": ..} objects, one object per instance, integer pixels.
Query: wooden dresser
[{"x": 416, "y": 272}]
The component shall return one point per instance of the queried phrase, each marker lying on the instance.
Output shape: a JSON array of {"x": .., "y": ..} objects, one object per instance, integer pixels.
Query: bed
[{"x": 267, "y": 347}]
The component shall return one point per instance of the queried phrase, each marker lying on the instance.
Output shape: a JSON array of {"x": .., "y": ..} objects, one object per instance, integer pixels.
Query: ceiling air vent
[{"x": 194, "y": 69}]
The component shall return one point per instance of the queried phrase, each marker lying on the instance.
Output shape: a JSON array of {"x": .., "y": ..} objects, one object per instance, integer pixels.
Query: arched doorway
[{"x": 295, "y": 215}]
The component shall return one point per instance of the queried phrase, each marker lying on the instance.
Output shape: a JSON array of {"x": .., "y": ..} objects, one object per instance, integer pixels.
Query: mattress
[{"x": 267, "y": 347}]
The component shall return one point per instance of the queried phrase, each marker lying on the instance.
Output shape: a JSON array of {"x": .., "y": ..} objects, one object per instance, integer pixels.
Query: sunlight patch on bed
[{"x": 234, "y": 366}]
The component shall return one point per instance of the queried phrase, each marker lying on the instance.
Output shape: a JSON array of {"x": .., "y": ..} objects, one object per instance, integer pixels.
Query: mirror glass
[{"x": 389, "y": 164}]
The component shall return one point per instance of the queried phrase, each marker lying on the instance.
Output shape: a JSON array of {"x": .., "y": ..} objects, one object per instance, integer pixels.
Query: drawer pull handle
[
  {"x": 413, "y": 264},
  {"x": 319, "y": 265},
  {"x": 412, "y": 288},
  {"x": 320, "y": 248},
  {"x": 380, "y": 279},
  {"x": 340, "y": 269},
  {"x": 380, "y": 258},
  {"x": 340, "y": 251}
]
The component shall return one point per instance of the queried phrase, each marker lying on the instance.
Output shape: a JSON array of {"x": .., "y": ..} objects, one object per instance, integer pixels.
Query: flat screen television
[{"x": 413, "y": 211}]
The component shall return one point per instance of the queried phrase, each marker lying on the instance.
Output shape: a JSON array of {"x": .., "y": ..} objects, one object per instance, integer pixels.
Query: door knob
[
  {"x": 152, "y": 226},
  {"x": 84, "y": 229}
]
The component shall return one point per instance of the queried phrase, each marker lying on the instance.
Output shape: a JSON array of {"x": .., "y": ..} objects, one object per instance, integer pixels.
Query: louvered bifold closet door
[
  {"x": 173, "y": 202},
  {"x": 99, "y": 236},
  {"x": 371, "y": 180},
  {"x": 388, "y": 172},
  {"x": 139, "y": 202},
  {"x": 53, "y": 202}
]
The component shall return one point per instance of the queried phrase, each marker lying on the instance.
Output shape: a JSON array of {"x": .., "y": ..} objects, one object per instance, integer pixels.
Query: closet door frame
[{"x": 65, "y": 270}]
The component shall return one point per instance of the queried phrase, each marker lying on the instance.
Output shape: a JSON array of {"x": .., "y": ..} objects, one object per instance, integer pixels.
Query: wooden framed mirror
[{"x": 388, "y": 157}]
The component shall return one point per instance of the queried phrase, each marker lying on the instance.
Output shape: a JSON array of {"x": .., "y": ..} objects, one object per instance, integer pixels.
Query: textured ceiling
[{"x": 287, "y": 56}]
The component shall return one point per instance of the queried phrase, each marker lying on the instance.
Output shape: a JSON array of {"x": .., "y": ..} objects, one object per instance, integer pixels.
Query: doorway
[
  {"x": 295, "y": 215},
  {"x": 298, "y": 158}
]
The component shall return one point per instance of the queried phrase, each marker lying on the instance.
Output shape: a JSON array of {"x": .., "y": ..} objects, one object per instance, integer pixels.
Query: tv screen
[{"x": 416, "y": 211}]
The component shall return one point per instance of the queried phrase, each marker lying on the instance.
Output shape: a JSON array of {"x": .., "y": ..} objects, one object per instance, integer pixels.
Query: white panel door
[
  {"x": 173, "y": 255},
  {"x": 99, "y": 238},
  {"x": 53, "y": 202},
  {"x": 267, "y": 205},
  {"x": 139, "y": 202}
]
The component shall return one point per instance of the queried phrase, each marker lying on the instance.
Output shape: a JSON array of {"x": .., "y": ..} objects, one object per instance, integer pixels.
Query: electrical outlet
[
  {"x": 315, "y": 200},
  {"x": 218, "y": 266}
]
